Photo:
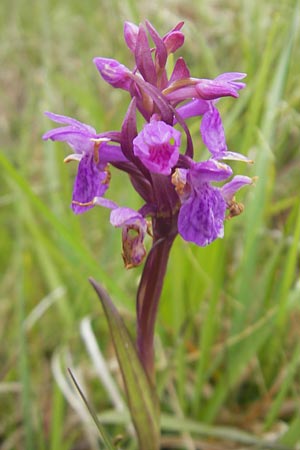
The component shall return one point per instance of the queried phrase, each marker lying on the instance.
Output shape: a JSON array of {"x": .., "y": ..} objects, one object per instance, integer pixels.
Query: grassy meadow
[{"x": 227, "y": 335}]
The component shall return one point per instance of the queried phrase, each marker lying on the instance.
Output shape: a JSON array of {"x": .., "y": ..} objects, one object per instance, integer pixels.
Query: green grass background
[{"x": 228, "y": 342}]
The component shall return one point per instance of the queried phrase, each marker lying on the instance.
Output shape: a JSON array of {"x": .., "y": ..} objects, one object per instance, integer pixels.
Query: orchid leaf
[{"x": 141, "y": 397}]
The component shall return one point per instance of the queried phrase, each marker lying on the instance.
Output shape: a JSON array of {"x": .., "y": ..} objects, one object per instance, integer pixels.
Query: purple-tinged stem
[{"x": 148, "y": 296}]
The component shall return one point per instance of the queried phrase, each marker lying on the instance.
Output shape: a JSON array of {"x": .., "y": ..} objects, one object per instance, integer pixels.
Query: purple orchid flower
[
  {"x": 202, "y": 214},
  {"x": 179, "y": 195},
  {"x": 157, "y": 146},
  {"x": 93, "y": 152},
  {"x": 134, "y": 228}
]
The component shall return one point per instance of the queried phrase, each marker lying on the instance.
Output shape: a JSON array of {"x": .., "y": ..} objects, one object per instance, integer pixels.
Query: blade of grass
[
  {"x": 289, "y": 273},
  {"x": 24, "y": 369},
  {"x": 280, "y": 75},
  {"x": 286, "y": 276},
  {"x": 79, "y": 251},
  {"x": 291, "y": 369},
  {"x": 262, "y": 79},
  {"x": 50, "y": 271},
  {"x": 100, "y": 364},
  {"x": 208, "y": 332},
  {"x": 292, "y": 435},
  {"x": 107, "y": 441},
  {"x": 237, "y": 359},
  {"x": 59, "y": 371},
  {"x": 256, "y": 210},
  {"x": 57, "y": 419}
]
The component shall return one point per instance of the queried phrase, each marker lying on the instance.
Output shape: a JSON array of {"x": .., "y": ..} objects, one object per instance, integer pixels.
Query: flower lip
[
  {"x": 202, "y": 214},
  {"x": 157, "y": 146},
  {"x": 90, "y": 182}
]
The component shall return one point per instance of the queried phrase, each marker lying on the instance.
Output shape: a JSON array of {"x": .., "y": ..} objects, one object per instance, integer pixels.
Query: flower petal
[
  {"x": 207, "y": 171},
  {"x": 161, "y": 50},
  {"x": 196, "y": 107},
  {"x": 180, "y": 71},
  {"x": 157, "y": 146},
  {"x": 233, "y": 156},
  {"x": 105, "y": 202},
  {"x": 228, "y": 192},
  {"x": 78, "y": 140},
  {"x": 230, "y": 77},
  {"x": 110, "y": 153},
  {"x": 212, "y": 132},
  {"x": 201, "y": 217},
  {"x": 90, "y": 182},
  {"x": 229, "y": 189},
  {"x": 127, "y": 216},
  {"x": 77, "y": 134},
  {"x": 70, "y": 121},
  {"x": 143, "y": 57}
]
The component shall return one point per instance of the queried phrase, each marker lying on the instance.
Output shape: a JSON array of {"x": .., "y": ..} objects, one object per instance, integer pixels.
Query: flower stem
[{"x": 148, "y": 296}]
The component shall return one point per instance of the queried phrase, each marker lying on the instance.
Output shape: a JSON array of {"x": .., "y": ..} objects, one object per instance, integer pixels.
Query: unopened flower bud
[
  {"x": 130, "y": 34},
  {"x": 113, "y": 72}
]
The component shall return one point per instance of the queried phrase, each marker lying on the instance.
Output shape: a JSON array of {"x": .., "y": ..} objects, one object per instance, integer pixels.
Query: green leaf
[{"x": 141, "y": 396}]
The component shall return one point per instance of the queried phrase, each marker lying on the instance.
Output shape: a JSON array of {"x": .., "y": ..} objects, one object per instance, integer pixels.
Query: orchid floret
[{"x": 157, "y": 146}]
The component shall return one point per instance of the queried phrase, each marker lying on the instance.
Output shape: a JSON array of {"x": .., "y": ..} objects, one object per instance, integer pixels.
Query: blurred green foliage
[{"x": 228, "y": 343}]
